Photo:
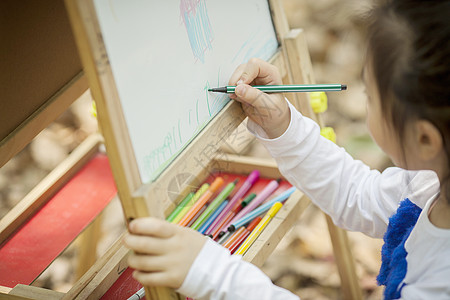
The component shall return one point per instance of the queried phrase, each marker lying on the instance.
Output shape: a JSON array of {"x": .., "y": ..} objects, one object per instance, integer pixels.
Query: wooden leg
[
  {"x": 344, "y": 261},
  {"x": 87, "y": 246}
]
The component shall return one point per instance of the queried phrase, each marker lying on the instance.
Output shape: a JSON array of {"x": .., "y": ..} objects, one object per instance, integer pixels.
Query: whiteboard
[{"x": 164, "y": 55}]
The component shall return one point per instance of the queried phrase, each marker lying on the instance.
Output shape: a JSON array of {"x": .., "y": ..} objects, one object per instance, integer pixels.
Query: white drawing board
[{"x": 164, "y": 56}]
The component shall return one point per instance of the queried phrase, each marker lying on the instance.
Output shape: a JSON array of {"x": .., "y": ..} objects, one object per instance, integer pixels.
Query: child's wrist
[{"x": 274, "y": 132}]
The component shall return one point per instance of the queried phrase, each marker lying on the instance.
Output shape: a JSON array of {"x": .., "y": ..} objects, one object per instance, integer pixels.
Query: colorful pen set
[
  {"x": 186, "y": 207},
  {"x": 176, "y": 212},
  {"x": 211, "y": 219},
  {"x": 220, "y": 227},
  {"x": 259, "y": 228},
  {"x": 251, "y": 179},
  {"x": 214, "y": 205},
  {"x": 234, "y": 220},
  {"x": 261, "y": 209},
  {"x": 204, "y": 198},
  {"x": 265, "y": 193},
  {"x": 241, "y": 235}
]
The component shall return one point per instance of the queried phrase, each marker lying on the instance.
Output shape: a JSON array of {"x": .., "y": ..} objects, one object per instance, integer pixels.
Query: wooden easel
[{"x": 138, "y": 199}]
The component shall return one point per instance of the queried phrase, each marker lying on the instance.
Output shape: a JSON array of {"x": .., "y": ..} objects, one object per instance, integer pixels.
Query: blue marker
[
  {"x": 211, "y": 219},
  {"x": 260, "y": 210}
]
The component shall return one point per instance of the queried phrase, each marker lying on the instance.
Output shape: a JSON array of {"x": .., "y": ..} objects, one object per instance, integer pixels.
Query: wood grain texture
[
  {"x": 110, "y": 116},
  {"x": 47, "y": 112},
  {"x": 116, "y": 252},
  {"x": 283, "y": 221},
  {"x": 32, "y": 292}
]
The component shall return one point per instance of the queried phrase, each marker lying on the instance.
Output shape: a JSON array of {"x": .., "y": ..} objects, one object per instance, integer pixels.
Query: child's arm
[
  {"x": 356, "y": 197},
  {"x": 183, "y": 259}
]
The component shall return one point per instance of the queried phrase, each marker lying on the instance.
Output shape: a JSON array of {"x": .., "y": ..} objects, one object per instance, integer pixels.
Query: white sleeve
[
  {"x": 436, "y": 290},
  {"x": 355, "y": 197},
  {"x": 436, "y": 282},
  {"x": 215, "y": 274}
]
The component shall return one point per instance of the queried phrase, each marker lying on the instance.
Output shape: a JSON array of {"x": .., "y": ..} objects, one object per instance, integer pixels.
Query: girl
[{"x": 407, "y": 77}]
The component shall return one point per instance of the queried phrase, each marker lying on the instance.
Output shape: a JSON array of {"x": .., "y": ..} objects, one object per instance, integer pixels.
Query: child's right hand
[{"x": 270, "y": 111}]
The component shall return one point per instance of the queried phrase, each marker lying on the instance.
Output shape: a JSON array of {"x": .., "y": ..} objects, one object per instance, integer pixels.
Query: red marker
[{"x": 238, "y": 241}]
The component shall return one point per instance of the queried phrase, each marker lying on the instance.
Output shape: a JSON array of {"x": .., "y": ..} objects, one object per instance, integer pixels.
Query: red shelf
[{"x": 25, "y": 255}]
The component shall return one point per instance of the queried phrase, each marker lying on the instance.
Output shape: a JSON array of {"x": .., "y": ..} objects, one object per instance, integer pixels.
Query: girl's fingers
[
  {"x": 147, "y": 244},
  {"x": 236, "y": 75},
  {"x": 165, "y": 279},
  {"x": 248, "y": 94},
  {"x": 259, "y": 71},
  {"x": 148, "y": 263},
  {"x": 152, "y": 227}
]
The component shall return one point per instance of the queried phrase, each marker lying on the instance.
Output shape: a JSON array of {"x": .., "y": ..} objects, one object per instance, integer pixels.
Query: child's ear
[{"x": 428, "y": 140}]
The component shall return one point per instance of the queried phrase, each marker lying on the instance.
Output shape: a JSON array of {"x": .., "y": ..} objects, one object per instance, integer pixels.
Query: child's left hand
[{"x": 163, "y": 252}]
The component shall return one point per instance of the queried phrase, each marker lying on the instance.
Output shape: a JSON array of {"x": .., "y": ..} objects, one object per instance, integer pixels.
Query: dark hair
[{"x": 409, "y": 53}]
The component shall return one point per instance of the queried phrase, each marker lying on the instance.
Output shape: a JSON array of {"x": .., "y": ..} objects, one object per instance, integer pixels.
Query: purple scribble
[{"x": 196, "y": 20}]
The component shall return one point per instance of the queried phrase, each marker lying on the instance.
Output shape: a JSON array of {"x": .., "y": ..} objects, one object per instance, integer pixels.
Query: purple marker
[
  {"x": 269, "y": 189},
  {"x": 251, "y": 179}
]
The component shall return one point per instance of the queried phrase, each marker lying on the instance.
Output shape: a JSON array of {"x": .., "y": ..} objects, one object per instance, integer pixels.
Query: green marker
[
  {"x": 295, "y": 88},
  {"x": 180, "y": 207},
  {"x": 214, "y": 205},
  {"x": 248, "y": 199},
  {"x": 194, "y": 199}
]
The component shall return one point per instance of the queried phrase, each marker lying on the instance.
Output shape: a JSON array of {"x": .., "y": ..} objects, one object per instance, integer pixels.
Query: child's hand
[
  {"x": 270, "y": 111},
  {"x": 163, "y": 252}
]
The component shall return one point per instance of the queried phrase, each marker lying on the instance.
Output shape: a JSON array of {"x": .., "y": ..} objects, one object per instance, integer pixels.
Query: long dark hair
[{"x": 409, "y": 51}]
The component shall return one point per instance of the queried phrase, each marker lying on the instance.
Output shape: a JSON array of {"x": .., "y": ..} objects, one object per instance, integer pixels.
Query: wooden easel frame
[{"x": 140, "y": 200}]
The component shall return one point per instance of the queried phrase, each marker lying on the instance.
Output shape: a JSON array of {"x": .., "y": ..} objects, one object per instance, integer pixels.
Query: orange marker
[
  {"x": 217, "y": 183},
  {"x": 242, "y": 236},
  {"x": 233, "y": 237}
]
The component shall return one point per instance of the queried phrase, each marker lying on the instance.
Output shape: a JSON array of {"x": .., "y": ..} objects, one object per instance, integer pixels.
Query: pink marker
[
  {"x": 251, "y": 179},
  {"x": 269, "y": 189}
]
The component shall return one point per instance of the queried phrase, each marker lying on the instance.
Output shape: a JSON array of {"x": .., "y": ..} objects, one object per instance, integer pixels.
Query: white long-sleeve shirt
[{"x": 356, "y": 198}]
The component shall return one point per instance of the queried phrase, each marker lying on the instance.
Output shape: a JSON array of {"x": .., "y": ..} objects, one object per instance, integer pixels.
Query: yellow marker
[
  {"x": 328, "y": 133},
  {"x": 258, "y": 229},
  {"x": 194, "y": 199}
]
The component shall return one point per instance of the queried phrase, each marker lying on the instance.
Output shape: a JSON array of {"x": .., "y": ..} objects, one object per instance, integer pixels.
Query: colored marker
[
  {"x": 198, "y": 214},
  {"x": 224, "y": 238},
  {"x": 138, "y": 295},
  {"x": 233, "y": 247},
  {"x": 294, "y": 88},
  {"x": 185, "y": 209},
  {"x": 221, "y": 226},
  {"x": 233, "y": 237},
  {"x": 269, "y": 189},
  {"x": 211, "y": 219},
  {"x": 251, "y": 179},
  {"x": 258, "y": 229},
  {"x": 261, "y": 209},
  {"x": 214, "y": 205},
  {"x": 180, "y": 206},
  {"x": 217, "y": 183}
]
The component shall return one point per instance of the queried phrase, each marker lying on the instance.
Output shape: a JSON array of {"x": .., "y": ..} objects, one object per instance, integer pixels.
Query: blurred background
[{"x": 303, "y": 262}]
